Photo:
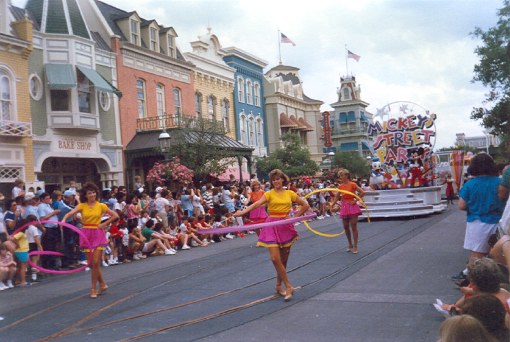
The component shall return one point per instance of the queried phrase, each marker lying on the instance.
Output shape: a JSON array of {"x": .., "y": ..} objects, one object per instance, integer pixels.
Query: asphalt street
[{"x": 225, "y": 292}]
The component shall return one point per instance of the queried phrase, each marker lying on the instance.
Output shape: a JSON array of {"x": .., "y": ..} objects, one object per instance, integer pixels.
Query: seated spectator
[
  {"x": 199, "y": 224},
  {"x": 7, "y": 268},
  {"x": 490, "y": 312},
  {"x": 501, "y": 252},
  {"x": 153, "y": 241},
  {"x": 484, "y": 277},
  {"x": 181, "y": 237},
  {"x": 136, "y": 243},
  {"x": 168, "y": 240},
  {"x": 186, "y": 228},
  {"x": 463, "y": 328}
]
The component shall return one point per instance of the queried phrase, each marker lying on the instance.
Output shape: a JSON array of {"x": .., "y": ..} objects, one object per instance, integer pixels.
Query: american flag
[
  {"x": 353, "y": 56},
  {"x": 285, "y": 39}
]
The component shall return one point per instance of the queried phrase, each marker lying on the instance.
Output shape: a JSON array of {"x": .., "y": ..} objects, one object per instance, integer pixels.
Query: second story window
[
  {"x": 140, "y": 95},
  {"x": 198, "y": 105},
  {"x": 135, "y": 31},
  {"x": 60, "y": 100},
  {"x": 211, "y": 107},
  {"x": 177, "y": 101},
  {"x": 84, "y": 94},
  {"x": 160, "y": 99},
  {"x": 249, "y": 92},
  {"x": 225, "y": 108},
  {"x": 5, "y": 97},
  {"x": 154, "y": 39},
  {"x": 240, "y": 89},
  {"x": 256, "y": 94}
]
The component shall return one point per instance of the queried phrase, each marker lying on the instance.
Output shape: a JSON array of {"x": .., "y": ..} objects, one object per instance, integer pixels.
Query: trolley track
[{"x": 326, "y": 280}]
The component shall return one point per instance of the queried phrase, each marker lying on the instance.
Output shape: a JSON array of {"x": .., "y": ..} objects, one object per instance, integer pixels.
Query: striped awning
[
  {"x": 285, "y": 122},
  {"x": 60, "y": 76}
]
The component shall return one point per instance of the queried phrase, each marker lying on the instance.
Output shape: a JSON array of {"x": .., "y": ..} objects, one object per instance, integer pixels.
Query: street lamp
[
  {"x": 164, "y": 141},
  {"x": 331, "y": 154}
]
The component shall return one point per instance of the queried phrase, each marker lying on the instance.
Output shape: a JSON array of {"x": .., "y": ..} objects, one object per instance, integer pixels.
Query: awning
[
  {"x": 225, "y": 176},
  {"x": 96, "y": 79},
  {"x": 60, "y": 76},
  {"x": 364, "y": 146},
  {"x": 350, "y": 146},
  {"x": 363, "y": 118},
  {"x": 305, "y": 125},
  {"x": 286, "y": 122}
]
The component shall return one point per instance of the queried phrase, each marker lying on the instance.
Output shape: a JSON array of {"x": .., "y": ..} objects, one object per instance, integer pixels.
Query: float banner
[
  {"x": 457, "y": 159},
  {"x": 395, "y": 136}
]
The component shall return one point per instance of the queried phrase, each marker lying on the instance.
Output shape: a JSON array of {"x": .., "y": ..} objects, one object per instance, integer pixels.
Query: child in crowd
[
  {"x": 188, "y": 229},
  {"x": 21, "y": 252},
  {"x": 34, "y": 243},
  {"x": 7, "y": 268},
  {"x": 168, "y": 240},
  {"x": 153, "y": 242},
  {"x": 182, "y": 238},
  {"x": 125, "y": 242},
  {"x": 136, "y": 243},
  {"x": 115, "y": 241},
  {"x": 200, "y": 223}
]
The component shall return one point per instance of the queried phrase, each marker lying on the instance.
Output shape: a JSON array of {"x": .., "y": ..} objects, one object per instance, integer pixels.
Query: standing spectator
[
  {"x": 65, "y": 205},
  {"x": 52, "y": 235},
  {"x": 504, "y": 184},
  {"x": 34, "y": 236},
  {"x": 133, "y": 210},
  {"x": 227, "y": 198},
  {"x": 17, "y": 190},
  {"x": 449, "y": 189},
  {"x": 479, "y": 198},
  {"x": 12, "y": 216},
  {"x": 32, "y": 205},
  {"x": 186, "y": 202},
  {"x": 162, "y": 207}
]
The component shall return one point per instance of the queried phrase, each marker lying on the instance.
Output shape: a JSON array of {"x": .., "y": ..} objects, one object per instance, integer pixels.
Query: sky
[{"x": 418, "y": 51}]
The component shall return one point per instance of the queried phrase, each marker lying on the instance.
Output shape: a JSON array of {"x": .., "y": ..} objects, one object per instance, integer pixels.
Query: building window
[
  {"x": 249, "y": 92},
  {"x": 154, "y": 39},
  {"x": 135, "y": 32},
  {"x": 171, "y": 45},
  {"x": 256, "y": 94},
  {"x": 35, "y": 87},
  {"x": 5, "y": 96},
  {"x": 160, "y": 99},
  {"x": 177, "y": 101},
  {"x": 242, "y": 126},
  {"x": 84, "y": 94},
  {"x": 104, "y": 100},
  {"x": 60, "y": 100},
  {"x": 251, "y": 132},
  {"x": 346, "y": 94},
  {"x": 225, "y": 108},
  {"x": 260, "y": 133},
  {"x": 240, "y": 89},
  {"x": 198, "y": 105},
  {"x": 211, "y": 107},
  {"x": 140, "y": 94}
]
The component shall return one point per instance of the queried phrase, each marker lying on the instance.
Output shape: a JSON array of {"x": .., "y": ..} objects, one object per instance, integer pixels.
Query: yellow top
[
  {"x": 279, "y": 204},
  {"x": 22, "y": 241},
  {"x": 91, "y": 216}
]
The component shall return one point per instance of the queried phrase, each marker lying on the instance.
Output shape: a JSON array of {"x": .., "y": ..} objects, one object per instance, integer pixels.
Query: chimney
[{"x": 23, "y": 29}]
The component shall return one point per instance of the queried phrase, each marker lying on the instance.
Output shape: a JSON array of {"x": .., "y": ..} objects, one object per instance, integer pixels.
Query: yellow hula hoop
[{"x": 333, "y": 190}]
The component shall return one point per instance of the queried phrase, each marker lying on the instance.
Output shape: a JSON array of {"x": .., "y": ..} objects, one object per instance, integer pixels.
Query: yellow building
[{"x": 16, "y": 157}]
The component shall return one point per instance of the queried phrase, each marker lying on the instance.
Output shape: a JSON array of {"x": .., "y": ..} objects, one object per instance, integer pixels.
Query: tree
[
  {"x": 199, "y": 148},
  {"x": 352, "y": 161},
  {"x": 493, "y": 71},
  {"x": 294, "y": 159}
]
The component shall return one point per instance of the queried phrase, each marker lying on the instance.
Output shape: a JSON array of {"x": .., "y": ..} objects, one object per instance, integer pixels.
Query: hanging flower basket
[{"x": 169, "y": 172}]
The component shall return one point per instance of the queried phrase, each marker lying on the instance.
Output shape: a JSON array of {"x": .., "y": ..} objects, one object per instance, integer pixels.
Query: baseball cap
[
  {"x": 159, "y": 189},
  {"x": 69, "y": 193},
  {"x": 29, "y": 196}
]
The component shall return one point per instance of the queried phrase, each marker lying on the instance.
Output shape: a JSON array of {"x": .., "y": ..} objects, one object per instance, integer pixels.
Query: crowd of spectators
[
  {"x": 157, "y": 222},
  {"x": 482, "y": 313}
]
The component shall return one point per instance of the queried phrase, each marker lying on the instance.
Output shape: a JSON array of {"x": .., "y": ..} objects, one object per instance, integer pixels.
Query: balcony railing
[
  {"x": 155, "y": 123},
  {"x": 15, "y": 128}
]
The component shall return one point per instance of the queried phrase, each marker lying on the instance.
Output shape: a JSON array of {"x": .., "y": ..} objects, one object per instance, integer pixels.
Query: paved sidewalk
[{"x": 388, "y": 300}]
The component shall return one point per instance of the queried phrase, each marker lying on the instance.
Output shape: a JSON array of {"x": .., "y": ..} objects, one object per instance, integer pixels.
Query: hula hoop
[
  {"x": 256, "y": 225},
  {"x": 333, "y": 190},
  {"x": 66, "y": 225}
]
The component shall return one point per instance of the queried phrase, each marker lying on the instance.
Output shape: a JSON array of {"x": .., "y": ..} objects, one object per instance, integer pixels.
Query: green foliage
[
  {"x": 294, "y": 159},
  {"x": 197, "y": 147},
  {"x": 493, "y": 71},
  {"x": 352, "y": 161}
]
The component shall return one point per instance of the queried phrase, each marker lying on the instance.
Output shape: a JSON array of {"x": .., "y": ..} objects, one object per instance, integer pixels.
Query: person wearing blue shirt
[
  {"x": 52, "y": 236},
  {"x": 479, "y": 198}
]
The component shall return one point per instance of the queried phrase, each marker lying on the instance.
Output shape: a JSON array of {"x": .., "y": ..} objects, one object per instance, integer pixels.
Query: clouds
[{"x": 411, "y": 50}]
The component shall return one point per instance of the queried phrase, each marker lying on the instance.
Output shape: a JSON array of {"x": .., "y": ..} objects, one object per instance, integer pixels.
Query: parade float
[{"x": 403, "y": 178}]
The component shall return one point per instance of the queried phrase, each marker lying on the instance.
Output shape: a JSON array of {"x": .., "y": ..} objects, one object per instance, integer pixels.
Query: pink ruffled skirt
[
  {"x": 258, "y": 214},
  {"x": 350, "y": 210},
  {"x": 283, "y": 235},
  {"x": 96, "y": 237}
]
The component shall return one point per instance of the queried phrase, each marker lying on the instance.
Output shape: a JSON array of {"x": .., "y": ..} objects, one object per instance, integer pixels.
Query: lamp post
[
  {"x": 487, "y": 141},
  {"x": 331, "y": 154},
  {"x": 164, "y": 142}
]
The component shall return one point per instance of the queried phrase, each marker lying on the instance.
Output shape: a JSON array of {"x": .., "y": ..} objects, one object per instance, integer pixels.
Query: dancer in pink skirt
[
  {"x": 91, "y": 214},
  {"x": 349, "y": 211},
  {"x": 279, "y": 238}
]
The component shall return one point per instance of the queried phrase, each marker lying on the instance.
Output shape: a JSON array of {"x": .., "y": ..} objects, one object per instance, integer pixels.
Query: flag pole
[
  {"x": 346, "y": 62},
  {"x": 279, "y": 47}
]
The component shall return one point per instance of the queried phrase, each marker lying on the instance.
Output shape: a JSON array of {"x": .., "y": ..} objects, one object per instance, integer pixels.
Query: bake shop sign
[{"x": 71, "y": 144}]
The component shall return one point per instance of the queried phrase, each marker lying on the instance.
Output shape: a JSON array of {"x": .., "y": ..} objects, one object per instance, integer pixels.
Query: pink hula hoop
[
  {"x": 256, "y": 225},
  {"x": 66, "y": 225}
]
